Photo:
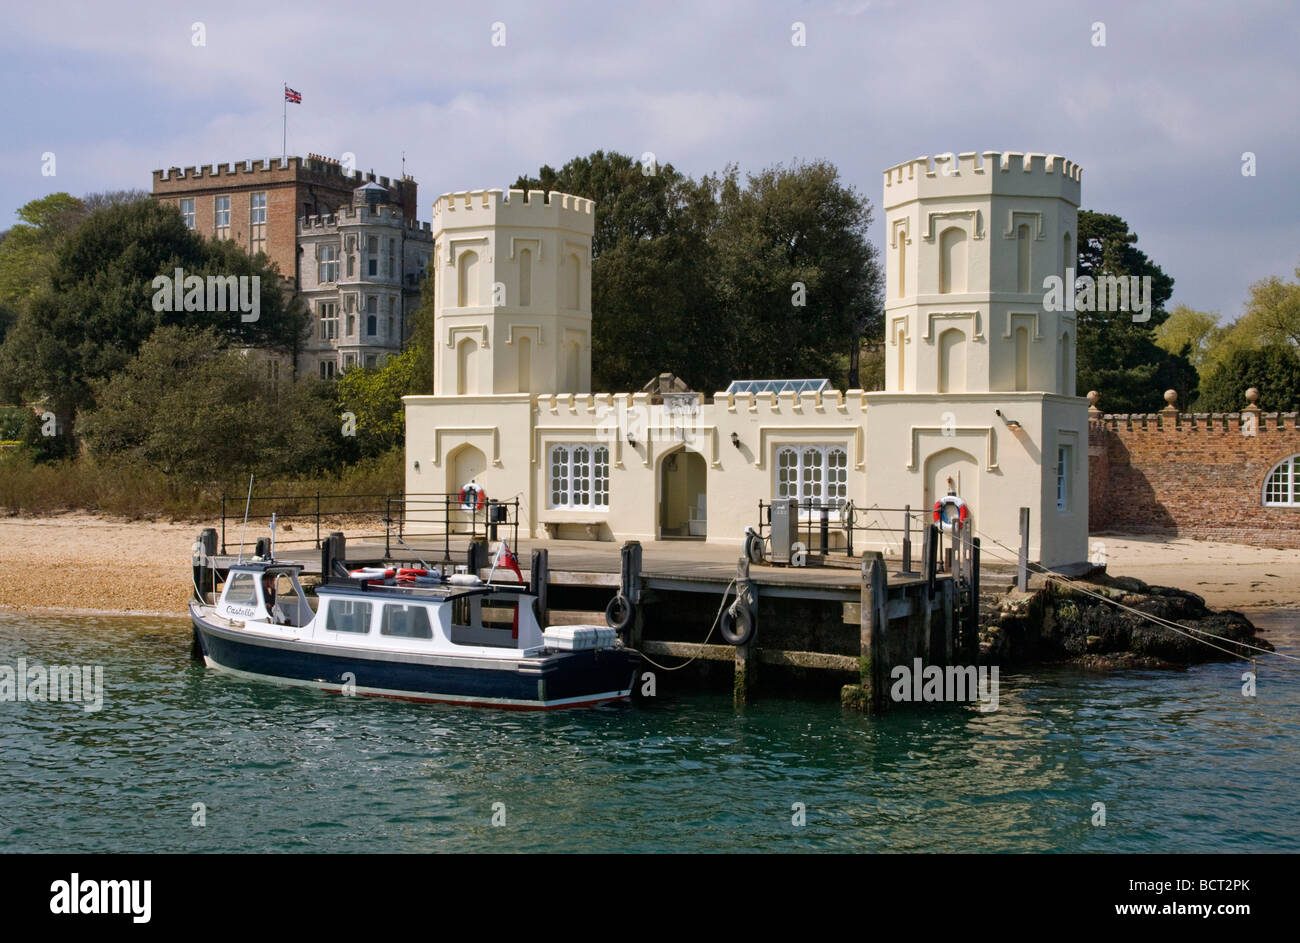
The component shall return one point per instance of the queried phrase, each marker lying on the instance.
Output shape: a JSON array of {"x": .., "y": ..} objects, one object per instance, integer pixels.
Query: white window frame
[
  {"x": 221, "y": 212},
  {"x": 1289, "y": 466},
  {"x": 578, "y": 476},
  {"x": 329, "y": 320},
  {"x": 257, "y": 222},
  {"x": 329, "y": 264},
  {"x": 187, "y": 212},
  {"x": 1064, "y": 478},
  {"x": 808, "y": 471}
]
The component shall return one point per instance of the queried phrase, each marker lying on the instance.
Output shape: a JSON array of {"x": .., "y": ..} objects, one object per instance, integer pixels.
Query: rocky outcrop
[{"x": 1074, "y": 622}]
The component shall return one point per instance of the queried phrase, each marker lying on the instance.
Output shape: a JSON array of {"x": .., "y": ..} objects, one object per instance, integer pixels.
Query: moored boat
[{"x": 427, "y": 637}]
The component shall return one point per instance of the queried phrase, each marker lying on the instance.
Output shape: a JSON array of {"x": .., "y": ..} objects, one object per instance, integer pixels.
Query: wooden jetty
[{"x": 841, "y": 625}]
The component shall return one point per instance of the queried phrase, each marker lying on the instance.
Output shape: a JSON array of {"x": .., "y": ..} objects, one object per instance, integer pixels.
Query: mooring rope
[
  {"x": 1184, "y": 630},
  {"x": 725, "y": 593}
]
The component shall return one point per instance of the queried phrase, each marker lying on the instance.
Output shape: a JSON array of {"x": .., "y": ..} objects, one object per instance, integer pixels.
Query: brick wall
[{"x": 1191, "y": 474}]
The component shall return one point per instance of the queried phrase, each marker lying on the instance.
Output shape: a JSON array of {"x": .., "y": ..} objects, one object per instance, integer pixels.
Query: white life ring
[
  {"x": 949, "y": 524},
  {"x": 472, "y": 497}
]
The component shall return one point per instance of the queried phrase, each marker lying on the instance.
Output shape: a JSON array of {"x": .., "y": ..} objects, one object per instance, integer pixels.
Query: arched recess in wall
[
  {"x": 572, "y": 282},
  {"x": 952, "y": 260},
  {"x": 1023, "y": 275},
  {"x": 525, "y": 277},
  {"x": 464, "y": 464},
  {"x": 1067, "y": 256},
  {"x": 900, "y": 338},
  {"x": 524, "y": 370},
  {"x": 1067, "y": 366},
  {"x": 902, "y": 263},
  {"x": 963, "y": 469},
  {"x": 1022, "y": 358},
  {"x": 952, "y": 361},
  {"x": 467, "y": 367},
  {"x": 467, "y": 279}
]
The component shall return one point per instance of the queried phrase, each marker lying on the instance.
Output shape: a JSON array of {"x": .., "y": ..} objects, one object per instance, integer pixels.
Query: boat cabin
[{"x": 265, "y": 592}]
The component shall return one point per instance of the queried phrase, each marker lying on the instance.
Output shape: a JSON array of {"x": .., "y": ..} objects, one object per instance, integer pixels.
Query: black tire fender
[
  {"x": 619, "y": 603},
  {"x": 737, "y": 625}
]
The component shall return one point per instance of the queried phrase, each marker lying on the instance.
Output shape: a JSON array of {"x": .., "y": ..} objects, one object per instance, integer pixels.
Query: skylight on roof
[{"x": 777, "y": 386}]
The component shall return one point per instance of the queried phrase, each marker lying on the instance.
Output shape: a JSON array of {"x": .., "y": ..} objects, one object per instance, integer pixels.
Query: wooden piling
[
  {"x": 871, "y": 693},
  {"x": 539, "y": 578},
  {"x": 745, "y": 663},
  {"x": 630, "y": 587}
]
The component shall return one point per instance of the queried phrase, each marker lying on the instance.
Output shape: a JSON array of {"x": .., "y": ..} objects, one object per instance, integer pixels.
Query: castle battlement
[
  {"x": 315, "y": 167},
  {"x": 1009, "y": 173},
  {"x": 536, "y": 208},
  {"x": 357, "y": 215},
  {"x": 1170, "y": 421}
]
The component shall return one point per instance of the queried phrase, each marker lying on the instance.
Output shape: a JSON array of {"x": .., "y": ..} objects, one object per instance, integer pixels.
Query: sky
[{"x": 1159, "y": 117}]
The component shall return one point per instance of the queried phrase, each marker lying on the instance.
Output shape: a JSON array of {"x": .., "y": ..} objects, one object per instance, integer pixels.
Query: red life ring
[
  {"x": 472, "y": 497},
  {"x": 407, "y": 574},
  {"x": 946, "y": 523}
]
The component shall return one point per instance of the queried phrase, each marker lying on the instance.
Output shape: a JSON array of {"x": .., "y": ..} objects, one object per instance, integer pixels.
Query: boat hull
[{"x": 557, "y": 680}]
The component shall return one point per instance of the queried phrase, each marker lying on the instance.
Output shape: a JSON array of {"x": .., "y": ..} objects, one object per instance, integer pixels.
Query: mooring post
[
  {"x": 630, "y": 586},
  {"x": 930, "y": 558},
  {"x": 1022, "y": 564},
  {"x": 907, "y": 539},
  {"x": 941, "y": 648},
  {"x": 970, "y": 644},
  {"x": 539, "y": 576},
  {"x": 746, "y": 657},
  {"x": 873, "y": 633}
]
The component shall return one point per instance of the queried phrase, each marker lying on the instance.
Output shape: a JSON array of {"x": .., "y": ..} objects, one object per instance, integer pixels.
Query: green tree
[
  {"x": 799, "y": 282},
  {"x": 1118, "y": 356},
  {"x": 193, "y": 407},
  {"x": 1274, "y": 370},
  {"x": 374, "y": 397},
  {"x": 99, "y": 305},
  {"x": 1191, "y": 333},
  {"x": 27, "y": 254}
]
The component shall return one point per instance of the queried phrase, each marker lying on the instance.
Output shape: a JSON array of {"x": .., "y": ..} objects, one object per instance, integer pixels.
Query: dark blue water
[{"x": 1181, "y": 760}]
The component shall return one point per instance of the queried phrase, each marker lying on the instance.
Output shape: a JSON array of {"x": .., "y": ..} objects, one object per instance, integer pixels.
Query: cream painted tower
[
  {"x": 512, "y": 310},
  {"x": 969, "y": 245}
]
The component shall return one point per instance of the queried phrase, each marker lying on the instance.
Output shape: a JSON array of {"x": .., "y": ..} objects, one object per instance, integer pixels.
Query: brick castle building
[{"x": 348, "y": 243}]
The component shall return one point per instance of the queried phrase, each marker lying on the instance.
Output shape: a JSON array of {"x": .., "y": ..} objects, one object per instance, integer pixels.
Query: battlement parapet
[
  {"x": 312, "y": 168},
  {"x": 1007, "y": 173},
  {"x": 535, "y": 209},
  {"x": 1171, "y": 421}
]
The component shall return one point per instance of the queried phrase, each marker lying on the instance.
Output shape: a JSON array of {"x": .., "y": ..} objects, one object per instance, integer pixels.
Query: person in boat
[{"x": 277, "y": 614}]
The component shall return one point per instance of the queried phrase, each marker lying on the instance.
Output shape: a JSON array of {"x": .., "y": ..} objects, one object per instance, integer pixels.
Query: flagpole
[{"x": 284, "y": 127}]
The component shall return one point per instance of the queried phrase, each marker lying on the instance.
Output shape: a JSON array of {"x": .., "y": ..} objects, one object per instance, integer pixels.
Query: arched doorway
[
  {"x": 464, "y": 464},
  {"x": 963, "y": 469},
  {"x": 683, "y": 480}
]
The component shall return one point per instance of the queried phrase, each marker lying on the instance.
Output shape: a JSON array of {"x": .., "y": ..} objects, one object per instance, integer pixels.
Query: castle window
[
  {"x": 525, "y": 366},
  {"x": 329, "y": 264},
  {"x": 389, "y": 335},
  {"x": 1282, "y": 486},
  {"x": 370, "y": 361},
  {"x": 352, "y": 266},
  {"x": 580, "y": 477},
  {"x": 813, "y": 473},
  {"x": 329, "y": 320},
  {"x": 1064, "y": 484},
  {"x": 372, "y": 304},
  {"x": 467, "y": 280},
  {"x": 327, "y": 369},
  {"x": 1067, "y": 254},
  {"x": 952, "y": 260},
  {"x": 952, "y": 361},
  {"x": 1022, "y": 358},
  {"x": 525, "y": 277},
  {"x": 257, "y": 222},
  {"x": 466, "y": 367},
  {"x": 392, "y": 258},
  {"x": 1023, "y": 279},
  {"x": 352, "y": 325},
  {"x": 372, "y": 326},
  {"x": 572, "y": 282},
  {"x": 187, "y": 211},
  {"x": 1067, "y": 366},
  {"x": 221, "y": 213}
]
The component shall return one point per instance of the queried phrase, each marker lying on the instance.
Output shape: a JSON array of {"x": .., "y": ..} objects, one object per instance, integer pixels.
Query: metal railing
[{"x": 435, "y": 515}]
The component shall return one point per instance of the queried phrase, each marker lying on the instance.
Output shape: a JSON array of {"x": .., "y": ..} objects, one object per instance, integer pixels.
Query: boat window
[
  {"x": 460, "y": 611},
  {"x": 242, "y": 590},
  {"x": 405, "y": 622},
  {"x": 348, "y": 615},
  {"x": 500, "y": 613}
]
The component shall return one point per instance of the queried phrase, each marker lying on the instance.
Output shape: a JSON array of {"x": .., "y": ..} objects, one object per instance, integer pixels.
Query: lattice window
[
  {"x": 580, "y": 476},
  {"x": 813, "y": 473}
]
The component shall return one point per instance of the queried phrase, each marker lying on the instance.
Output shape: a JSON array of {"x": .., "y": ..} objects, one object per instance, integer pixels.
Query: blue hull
[{"x": 563, "y": 679}]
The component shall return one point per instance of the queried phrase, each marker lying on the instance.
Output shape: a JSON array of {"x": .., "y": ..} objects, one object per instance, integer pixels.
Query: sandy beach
[{"x": 76, "y": 562}]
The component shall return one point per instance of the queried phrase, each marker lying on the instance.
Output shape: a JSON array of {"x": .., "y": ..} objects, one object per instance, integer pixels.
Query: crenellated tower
[
  {"x": 969, "y": 244},
  {"x": 512, "y": 310}
]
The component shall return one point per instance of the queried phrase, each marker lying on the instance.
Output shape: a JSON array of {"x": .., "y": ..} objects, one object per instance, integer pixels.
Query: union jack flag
[{"x": 291, "y": 96}]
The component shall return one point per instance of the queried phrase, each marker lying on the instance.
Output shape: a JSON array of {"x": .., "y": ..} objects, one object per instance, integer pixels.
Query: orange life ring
[
  {"x": 946, "y": 524},
  {"x": 472, "y": 497}
]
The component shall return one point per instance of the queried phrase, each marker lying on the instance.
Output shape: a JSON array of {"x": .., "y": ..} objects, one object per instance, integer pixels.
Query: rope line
[{"x": 716, "y": 619}]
